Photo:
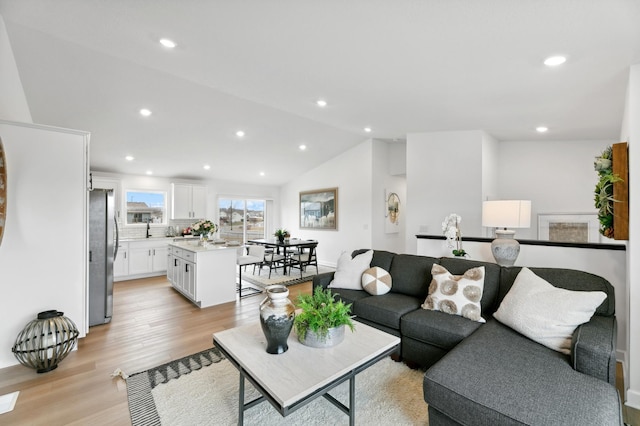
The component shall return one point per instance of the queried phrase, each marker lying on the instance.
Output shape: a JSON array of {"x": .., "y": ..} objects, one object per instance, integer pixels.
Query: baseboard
[{"x": 633, "y": 399}]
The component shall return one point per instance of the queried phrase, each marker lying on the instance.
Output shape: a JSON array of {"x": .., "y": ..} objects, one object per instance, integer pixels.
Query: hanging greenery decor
[{"x": 604, "y": 191}]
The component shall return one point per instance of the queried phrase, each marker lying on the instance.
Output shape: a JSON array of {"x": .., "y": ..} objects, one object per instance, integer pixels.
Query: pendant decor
[
  {"x": 276, "y": 318},
  {"x": 45, "y": 341}
]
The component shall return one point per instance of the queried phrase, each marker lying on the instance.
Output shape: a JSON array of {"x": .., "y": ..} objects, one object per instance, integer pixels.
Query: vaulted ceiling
[{"x": 398, "y": 67}]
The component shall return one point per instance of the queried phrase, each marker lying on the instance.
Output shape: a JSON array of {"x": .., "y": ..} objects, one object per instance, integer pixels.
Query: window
[
  {"x": 241, "y": 220},
  {"x": 146, "y": 207}
]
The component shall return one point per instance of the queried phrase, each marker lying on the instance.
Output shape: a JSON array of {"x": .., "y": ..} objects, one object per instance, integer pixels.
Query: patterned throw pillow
[
  {"x": 376, "y": 281},
  {"x": 456, "y": 294}
]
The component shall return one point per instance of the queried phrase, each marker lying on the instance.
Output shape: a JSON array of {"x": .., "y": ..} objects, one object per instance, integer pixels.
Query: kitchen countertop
[{"x": 193, "y": 246}]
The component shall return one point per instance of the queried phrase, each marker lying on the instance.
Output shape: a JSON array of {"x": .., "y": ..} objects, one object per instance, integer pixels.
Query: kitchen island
[{"x": 206, "y": 275}]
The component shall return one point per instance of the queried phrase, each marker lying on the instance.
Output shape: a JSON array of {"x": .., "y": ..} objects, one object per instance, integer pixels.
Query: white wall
[
  {"x": 351, "y": 172},
  {"x": 43, "y": 256},
  {"x": 631, "y": 133},
  {"x": 557, "y": 176},
  {"x": 13, "y": 102},
  {"x": 444, "y": 175},
  {"x": 384, "y": 183}
]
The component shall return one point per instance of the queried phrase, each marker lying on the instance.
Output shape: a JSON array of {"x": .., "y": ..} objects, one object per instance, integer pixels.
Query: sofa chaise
[{"x": 487, "y": 373}]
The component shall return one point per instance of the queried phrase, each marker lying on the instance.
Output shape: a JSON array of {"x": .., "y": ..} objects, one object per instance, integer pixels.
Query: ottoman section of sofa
[{"x": 503, "y": 378}]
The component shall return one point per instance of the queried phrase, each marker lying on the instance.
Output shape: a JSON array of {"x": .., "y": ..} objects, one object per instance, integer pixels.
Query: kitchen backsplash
[{"x": 155, "y": 231}]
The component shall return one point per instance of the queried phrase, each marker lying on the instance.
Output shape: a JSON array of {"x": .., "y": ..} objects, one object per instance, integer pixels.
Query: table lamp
[{"x": 506, "y": 214}]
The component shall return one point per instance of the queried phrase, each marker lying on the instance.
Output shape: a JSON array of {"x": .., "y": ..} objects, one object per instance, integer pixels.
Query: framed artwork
[
  {"x": 392, "y": 214},
  {"x": 569, "y": 227},
  {"x": 319, "y": 209}
]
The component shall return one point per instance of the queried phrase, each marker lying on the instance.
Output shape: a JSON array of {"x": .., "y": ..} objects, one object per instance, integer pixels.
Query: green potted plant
[
  {"x": 322, "y": 318},
  {"x": 281, "y": 234},
  {"x": 603, "y": 192}
]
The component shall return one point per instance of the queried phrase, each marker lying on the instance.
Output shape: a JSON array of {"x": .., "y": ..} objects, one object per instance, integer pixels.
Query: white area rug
[{"x": 387, "y": 393}]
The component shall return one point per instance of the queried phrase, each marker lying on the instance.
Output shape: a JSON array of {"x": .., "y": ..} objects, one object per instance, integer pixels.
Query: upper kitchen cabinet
[
  {"x": 109, "y": 183},
  {"x": 188, "y": 201}
]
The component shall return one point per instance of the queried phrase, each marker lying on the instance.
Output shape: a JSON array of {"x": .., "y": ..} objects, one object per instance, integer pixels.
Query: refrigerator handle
[{"x": 115, "y": 249}]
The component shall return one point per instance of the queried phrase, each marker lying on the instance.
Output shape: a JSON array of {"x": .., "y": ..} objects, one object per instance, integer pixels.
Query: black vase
[
  {"x": 281, "y": 238},
  {"x": 276, "y": 318}
]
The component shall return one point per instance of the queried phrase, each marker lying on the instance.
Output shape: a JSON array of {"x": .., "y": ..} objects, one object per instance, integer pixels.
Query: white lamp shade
[{"x": 506, "y": 214}]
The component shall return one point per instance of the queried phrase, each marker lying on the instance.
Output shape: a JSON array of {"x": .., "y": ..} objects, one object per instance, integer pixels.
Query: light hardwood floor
[{"x": 152, "y": 324}]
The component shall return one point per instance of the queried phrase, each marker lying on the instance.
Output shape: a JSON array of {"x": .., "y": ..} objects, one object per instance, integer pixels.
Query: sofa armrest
[
  {"x": 322, "y": 280},
  {"x": 594, "y": 348}
]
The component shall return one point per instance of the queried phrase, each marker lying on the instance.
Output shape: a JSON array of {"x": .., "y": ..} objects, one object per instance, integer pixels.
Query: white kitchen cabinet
[
  {"x": 188, "y": 201},
  {"x": 145, "y": 258},
  {"x": 121, "y": 264},
  {"x": 204, "y": 275},
  {"x": 110, "y": 183}
]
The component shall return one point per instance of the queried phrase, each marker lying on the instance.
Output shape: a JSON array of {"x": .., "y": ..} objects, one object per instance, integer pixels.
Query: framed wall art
[
  {"x": 569, "y": 227},
  {"x": 319, "y": 209}
]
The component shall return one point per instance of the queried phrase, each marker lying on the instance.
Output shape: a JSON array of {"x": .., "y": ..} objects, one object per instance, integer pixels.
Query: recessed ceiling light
[
  {"x": 206, "y": 167},
  {"x": 261, "y": 173},
  {"x": 302, "y": 147},
  {"x": 554, "y": 61},
  {"x": 145, "y": 112},
  {"x": 170, "y": 44},
  {"x": 129, "y": 158},
  {"x": 240, "y": 133},
  {"x": 321, "y": 103},
  {"x": 541, "y": 129},
  {"x": 149, "y": 172},
  {"x": 367, "y": 129}
]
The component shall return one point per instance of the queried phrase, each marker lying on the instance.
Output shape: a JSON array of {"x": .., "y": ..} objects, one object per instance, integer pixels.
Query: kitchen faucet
[{"x": 148, "y": 227}]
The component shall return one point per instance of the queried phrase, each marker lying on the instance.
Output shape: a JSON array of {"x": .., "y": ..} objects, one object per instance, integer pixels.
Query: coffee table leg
[
  {"x": 241, "y": 400},
  {"x": 352, "y": 401}
]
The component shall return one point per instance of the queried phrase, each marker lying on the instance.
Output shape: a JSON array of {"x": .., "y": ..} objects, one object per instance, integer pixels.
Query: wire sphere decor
[{"x": 45, "y": 341}]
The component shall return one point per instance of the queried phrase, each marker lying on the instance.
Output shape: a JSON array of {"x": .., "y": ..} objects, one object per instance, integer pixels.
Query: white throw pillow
[
  {"x": 456, "y": 294},
  {"x": 544, "y": 313},
  {"x": 348, "y": 274}
]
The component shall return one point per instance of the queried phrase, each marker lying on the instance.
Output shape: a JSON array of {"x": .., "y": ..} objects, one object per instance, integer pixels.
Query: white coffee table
[{"x": 293, "y": 379}]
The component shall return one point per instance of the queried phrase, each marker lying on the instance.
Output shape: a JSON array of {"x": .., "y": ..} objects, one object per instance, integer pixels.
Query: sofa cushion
[
  {"x": 411, "y": 274},
  {"x": 386, "y": 309},
  {"x": 437, "y": 328},
  {"x": 546, "y": 314},
  {"x": 381, "y": 258},
  {"x": 349, "y": 270},
  {"x": 489, "y": 302},
  {"x": 501, "y": 377},
  {"x": 350, "y": 296},
  {"x": 456, "y": 294},
  {"x": 376, "y": 281}
]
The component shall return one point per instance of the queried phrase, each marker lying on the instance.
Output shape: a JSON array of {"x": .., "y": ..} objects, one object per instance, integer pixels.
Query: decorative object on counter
[
  {"x": 322, "y": 319},
  {"x": 503, "y": 214},
  {"x": 45, "y": 341},
  {"x": 277, "y": 314},
  {"x": 3, "y": 190},
  {"x": 451, "y": 229},
  {"x": 204, "y": 228},
  {"x": 604, "y": 200},
  {"x": 282, "y": 234}
]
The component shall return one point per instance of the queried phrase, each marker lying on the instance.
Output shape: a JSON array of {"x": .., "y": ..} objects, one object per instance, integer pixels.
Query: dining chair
[
  {"x": 306, "y": 256},
  {"x": 275, "y": 261},
  {"x": 255, "y": 256}
]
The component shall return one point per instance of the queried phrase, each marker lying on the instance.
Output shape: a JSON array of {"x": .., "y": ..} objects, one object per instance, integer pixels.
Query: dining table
[{"x": 287, "y": 243}]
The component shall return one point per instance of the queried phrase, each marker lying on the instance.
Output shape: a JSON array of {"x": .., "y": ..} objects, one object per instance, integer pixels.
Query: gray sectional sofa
[{"x": 488, "y": 374}]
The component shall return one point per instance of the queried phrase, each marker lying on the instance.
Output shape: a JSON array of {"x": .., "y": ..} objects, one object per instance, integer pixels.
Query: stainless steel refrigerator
[{"x": 103, "y": 229}]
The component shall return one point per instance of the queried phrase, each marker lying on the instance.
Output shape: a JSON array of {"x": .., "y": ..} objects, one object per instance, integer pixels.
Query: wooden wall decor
[
  {"x": 621, "y": 191},
  {"x": 3, "y": 190}
]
